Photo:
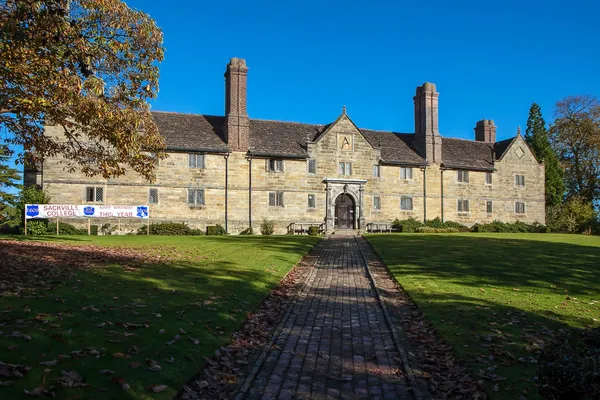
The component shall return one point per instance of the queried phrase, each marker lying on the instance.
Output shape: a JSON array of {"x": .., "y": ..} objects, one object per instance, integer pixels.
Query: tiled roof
[
  {"x": 281, "y": 138},
  {"x": 288, "y": 139},
  {"x": 502, "y": 146},
  {"x": 191, "y": 131},
  {"x": 467, "y": 154},
  {"x": 395, "y": 147}
]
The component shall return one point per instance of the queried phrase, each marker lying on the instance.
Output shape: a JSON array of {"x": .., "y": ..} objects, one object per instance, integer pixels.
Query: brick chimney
[
  {"x": 427, "y": 136},
  {"x": 485, "y": 131},
  {"x": 237, "y": 127}
]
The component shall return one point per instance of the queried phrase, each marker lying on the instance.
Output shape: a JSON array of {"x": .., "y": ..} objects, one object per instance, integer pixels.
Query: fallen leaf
[
  {"x": 158, "y": 388},
  {"x": 176, "y": 338},
  {"x": 49, "y": 363}
]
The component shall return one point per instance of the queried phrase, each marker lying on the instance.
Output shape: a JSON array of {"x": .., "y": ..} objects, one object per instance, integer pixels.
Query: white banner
[{"x": 84, "y": 211}]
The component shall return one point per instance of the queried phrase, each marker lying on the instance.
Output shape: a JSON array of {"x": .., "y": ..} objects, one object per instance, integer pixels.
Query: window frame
[
  {"x": 460, "y": 206},
  {"x": 376, "y": 171},
  {"x": 150, "y": 190},
  {"x": 196, "y": 190},
  {"x": 404, "y": 199},
  {"x": 462, "y": 176},
  {"x": 376, "y": 203},
  {"x": 312, "y": 196},
  {"x": 278, "y": 199},
  {"x": 308, "y": 163},
  {"x": 345, "y": 168},
  {"x": 517, "y": 208},
  {"x": 489, "y": 181},
  {"x": 95, "y": 194},
  {"x": 195, "y": 157},
  {"x": 275, "y": 165},
  {"x": 489, "y": 206},
  {"x": 520, "y": 180},
  {"x": 405, "y": 172}
]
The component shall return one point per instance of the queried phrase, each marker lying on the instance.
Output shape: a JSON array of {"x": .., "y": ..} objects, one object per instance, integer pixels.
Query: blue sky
[{"x": 306, "y": 59}]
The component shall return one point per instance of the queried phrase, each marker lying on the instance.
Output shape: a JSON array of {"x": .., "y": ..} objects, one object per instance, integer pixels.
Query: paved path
[{"x": 335, "y": 342}]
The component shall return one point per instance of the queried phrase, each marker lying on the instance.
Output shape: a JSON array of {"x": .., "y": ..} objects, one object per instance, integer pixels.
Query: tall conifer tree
[{"x": 536, "y": 136}]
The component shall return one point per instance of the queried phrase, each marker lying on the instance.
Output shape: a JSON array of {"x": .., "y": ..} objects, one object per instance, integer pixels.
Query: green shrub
[
  {"x": 505, "y": 227},
  {"x": 65, "y": 229},
  {"x": 170, "y": 229},
  {"x": 569, "y": 368},
  {"x": 267, "y": 227},
  {"x": 313, "y": 230},
  {"x": 93, "y": 229},
  {"x": 37, "y": 227},
  {"x": 429, "y": 229},
  {"x": 107, "y": 229},
  {"x": 247, "y": 231},
  {"x": 438, "y": 223},
  {"x": 215, "y": 230},
  {"x": 407, "y": 225}
]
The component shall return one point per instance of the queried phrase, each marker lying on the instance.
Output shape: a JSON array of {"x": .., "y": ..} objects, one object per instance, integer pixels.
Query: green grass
[
  {"x": 207, "y": 288},
  {"x": 496, "y": 297}
]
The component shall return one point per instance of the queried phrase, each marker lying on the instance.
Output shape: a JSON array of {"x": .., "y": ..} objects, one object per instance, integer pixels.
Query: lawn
[
  {"x": 128, "y": 311},
  {"x": 496, "y": 298}
]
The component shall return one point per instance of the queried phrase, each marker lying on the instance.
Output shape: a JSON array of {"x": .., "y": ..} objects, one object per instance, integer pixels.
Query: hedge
[{"x": 170, "y": 229}]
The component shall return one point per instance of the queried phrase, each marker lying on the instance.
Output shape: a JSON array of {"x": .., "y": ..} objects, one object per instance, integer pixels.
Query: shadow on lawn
[
  {"x": 77, "y": 288},
  {"x": 476, "y": 261}
]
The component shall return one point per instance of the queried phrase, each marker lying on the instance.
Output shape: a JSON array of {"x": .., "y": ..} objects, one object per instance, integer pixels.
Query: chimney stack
[
  {"x": 485, "y": 131},
  {"x": 237, "y": 127},
  {"x": 427, "y": 136}
]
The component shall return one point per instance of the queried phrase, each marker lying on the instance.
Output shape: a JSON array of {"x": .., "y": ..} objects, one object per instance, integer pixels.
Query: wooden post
[
  {"x": 119, "y": 224},
  {"x": 57, "y": 222},
  {"x": 148, "y": 227},
  {"x": 25, "y": 226},
  {"x": 89, "y": 227}
]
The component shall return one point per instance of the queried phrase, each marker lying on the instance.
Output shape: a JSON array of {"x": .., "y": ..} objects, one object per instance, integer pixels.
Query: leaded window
[
  {"x": 196, "y": 160},
  {"x": 376, "y": 203},
  {"x": 462, "y": 206},
  {"x": 312, "y": 166},
  {"x": 462, "y": 176},
  {"x": 406, "y": 203},
  {"x": 406, "y": 173},
  {"x": 196, "y": 197},
  {"x": 276, "y": 199},
  {"x": 312, "y": 202},
  {"x": 94, "y": 194},
  {"x": 153, "y": 196},
  {"x": 275, "y": 165}
]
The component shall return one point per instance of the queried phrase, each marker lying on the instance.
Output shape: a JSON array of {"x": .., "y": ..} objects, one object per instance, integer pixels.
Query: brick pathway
[{"x": 335, "y": 342}]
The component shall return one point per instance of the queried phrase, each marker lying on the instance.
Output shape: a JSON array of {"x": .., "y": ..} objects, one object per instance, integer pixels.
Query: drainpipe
[
  {"x": 250, "y": 192},
  {"x": 226, "y": 191},
  {"x": 424, "y": 196},
  {"x": 442, "y": 197}
]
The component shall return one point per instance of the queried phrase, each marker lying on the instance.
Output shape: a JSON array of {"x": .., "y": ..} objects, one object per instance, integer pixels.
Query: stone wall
[{"x": 341, "y": 143}]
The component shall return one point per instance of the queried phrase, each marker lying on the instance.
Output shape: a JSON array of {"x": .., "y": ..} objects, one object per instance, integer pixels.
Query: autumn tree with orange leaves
[{"x": 89, "y": 67}]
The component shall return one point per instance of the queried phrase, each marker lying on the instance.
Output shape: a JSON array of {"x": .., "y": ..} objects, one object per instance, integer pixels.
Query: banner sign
[{"x": 84, "y": 211}]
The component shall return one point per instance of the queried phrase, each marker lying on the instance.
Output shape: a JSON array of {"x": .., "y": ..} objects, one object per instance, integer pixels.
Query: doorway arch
[{"x": 345, "y": 212}]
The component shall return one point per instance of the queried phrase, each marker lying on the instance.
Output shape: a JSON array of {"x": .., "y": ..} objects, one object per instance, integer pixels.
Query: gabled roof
[
  {"x": 467, "y": 154},
  {"x": 195, "y": 132},
  {"x": 502, "y": 146}
]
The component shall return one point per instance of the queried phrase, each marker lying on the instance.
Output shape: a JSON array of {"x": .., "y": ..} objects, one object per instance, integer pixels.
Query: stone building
[{"x": 236, "y": 171}]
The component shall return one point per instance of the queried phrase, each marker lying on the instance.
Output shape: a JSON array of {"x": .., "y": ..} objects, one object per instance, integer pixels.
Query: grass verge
[
  {"x": 107, "y": 307},
  {"x": 497, "y": 298}
]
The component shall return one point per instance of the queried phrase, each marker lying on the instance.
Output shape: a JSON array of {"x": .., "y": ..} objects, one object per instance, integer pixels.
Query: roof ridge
[
  {"x": 184, "y": 113},
  {"x": 285, "y": 122}
]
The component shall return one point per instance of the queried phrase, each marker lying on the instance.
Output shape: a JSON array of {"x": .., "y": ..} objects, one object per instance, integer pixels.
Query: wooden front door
[{"x": 344, "y": 212}]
